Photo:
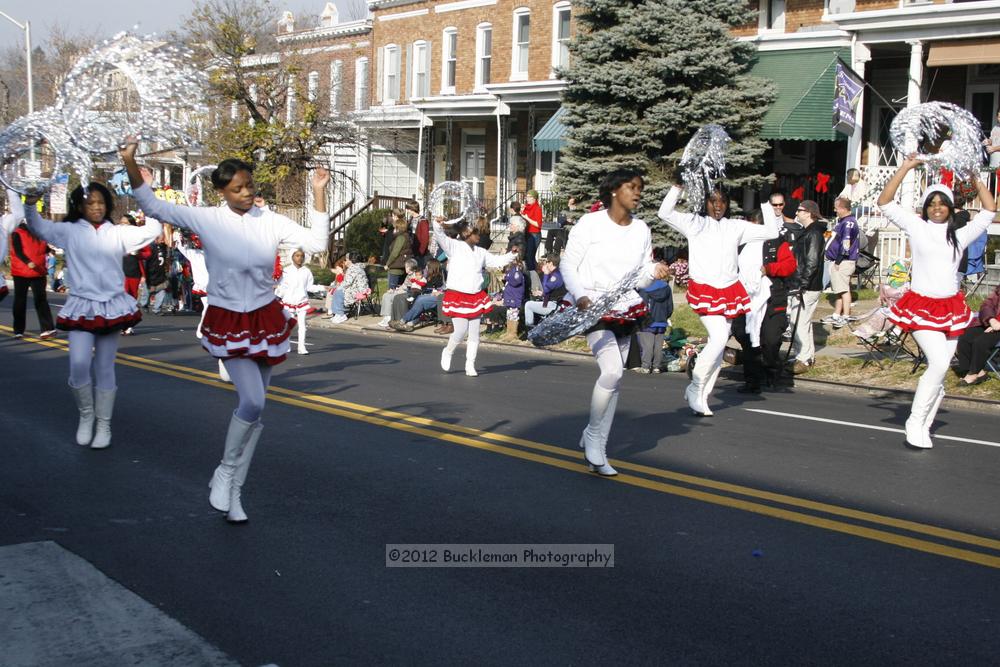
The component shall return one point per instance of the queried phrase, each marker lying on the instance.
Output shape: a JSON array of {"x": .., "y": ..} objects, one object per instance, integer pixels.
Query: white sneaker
[
  {"x": 339, "y": 319},
  {"x": 829, "y": 319},
  {"x": 384, "y": 323}
]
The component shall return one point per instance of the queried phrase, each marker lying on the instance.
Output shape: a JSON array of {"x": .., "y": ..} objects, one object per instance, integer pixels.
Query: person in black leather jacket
[{"x": 807, "y": 284}]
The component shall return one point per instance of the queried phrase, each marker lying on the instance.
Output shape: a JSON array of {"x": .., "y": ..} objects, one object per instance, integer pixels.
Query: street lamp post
[{"x": 26, "y": 27}]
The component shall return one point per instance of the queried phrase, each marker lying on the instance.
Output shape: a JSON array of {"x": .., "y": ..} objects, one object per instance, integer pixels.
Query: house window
[
  {"x": 484, "y": 54},
  {"x": 336, "y": 84},
  {"x": 420, "y": 86},
  {"x": 772, "y": 15},
  {"x": 560, "y": 35},
  {"x": 361, "y": 84},
  {"x": 390, "y": 91},
  {"x": 394, "y": 174},
  {"x": 519, "y": 58},
  {"x": 313, "y": 88},
  {"x": 449, "y": 60}
]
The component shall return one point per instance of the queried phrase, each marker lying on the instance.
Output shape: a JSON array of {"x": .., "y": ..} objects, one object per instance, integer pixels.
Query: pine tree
[{"x": 644, "y": 75}]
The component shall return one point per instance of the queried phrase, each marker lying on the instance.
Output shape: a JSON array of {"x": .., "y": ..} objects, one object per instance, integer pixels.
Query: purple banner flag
[{"x": 848, "y": 87}]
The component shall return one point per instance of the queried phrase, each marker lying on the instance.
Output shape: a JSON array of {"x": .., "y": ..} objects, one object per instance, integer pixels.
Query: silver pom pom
[
  {"x": 453, "y": 198},
  {"x": 703, "y": 162},
  {"x": 941, "y": 135},
  {"x": 573, "y": 321},
  {"x": 36, "y": 147}
]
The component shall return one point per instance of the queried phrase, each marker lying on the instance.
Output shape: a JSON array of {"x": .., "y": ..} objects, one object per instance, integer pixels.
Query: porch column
[
  {"x": 854, "y": 144},
  {"x": 916, "y": 79}
]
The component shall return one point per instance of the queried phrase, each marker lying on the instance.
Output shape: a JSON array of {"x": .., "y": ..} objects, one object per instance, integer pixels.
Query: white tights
[
  {"x": 251, "y": 379},
  {"x": 465, "y": 326},
  {"x": 204, "y": 309},
  {"x": 97, "y": 351},
  {"x": 300, "y": 318},
  {"x": 610, "y": 353}
]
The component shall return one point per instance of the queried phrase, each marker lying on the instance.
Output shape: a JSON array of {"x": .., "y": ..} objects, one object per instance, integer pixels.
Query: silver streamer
[
  {"x": 573, "y": 321},
  {"x": 142, "y": 86},
  {"x": 469, "y": 208},
  {"x": 940, "y": 134},
  {"x": 37, "y": 147},
  {"x": 703, "y": 162}
]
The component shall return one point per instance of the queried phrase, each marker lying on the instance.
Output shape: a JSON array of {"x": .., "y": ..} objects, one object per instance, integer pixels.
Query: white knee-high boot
[
  {"x": 927, "y": 443},
  {"x": 236, "y": 438},
  {"x": 104, "y": 406},
  {"x": 695, "y": 392},
  {"x": 917, "y": 426},
  {"x": 236, "y": 513},
  {"x": 706, "y": 388},
  {"x": 84, "y": 397},
  {"x": 593, "y": 448},
  {"x": 471, "y": 350},
  {"x": 606, "y": 421},
  {"x": 302, "y": 330}
]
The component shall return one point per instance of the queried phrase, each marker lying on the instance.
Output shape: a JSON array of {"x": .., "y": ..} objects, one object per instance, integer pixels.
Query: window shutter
[
  {"x": 411, "y": 74},
  {"x": 427, "y": 68},
  {"x": 379, "y": 73}
]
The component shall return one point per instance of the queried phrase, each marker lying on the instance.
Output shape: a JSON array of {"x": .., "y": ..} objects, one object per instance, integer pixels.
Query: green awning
[
  {"x": 805, "y": 80},
  {"x": 550, "y": 137}
]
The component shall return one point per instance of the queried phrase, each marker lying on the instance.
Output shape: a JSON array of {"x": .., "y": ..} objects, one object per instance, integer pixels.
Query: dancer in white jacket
[
  {"x": 245, "y": 325},
  {"x": 465, "y": 301},
  {"x": 714, "y": 289},
  {"x": 603, "y": 248},
  {"x": 934, "y": 310},
  {"x": 98, "y": 308},
  {"x": 294, "y": 293}
]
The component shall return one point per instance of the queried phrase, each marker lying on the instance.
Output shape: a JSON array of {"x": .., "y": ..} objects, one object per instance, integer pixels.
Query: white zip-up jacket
[
  {"x": 713, "y": 245},
  {"x": 199, "y": 271},
  {"x": 295, "y": 284},
  {"x": 239, "y": 249},
  {"x": 93, "y": 254},
  {"x": 466, "y": 264}
]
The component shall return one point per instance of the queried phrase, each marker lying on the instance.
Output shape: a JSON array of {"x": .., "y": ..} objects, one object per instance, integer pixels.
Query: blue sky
[{"x": 111, "y": 16}]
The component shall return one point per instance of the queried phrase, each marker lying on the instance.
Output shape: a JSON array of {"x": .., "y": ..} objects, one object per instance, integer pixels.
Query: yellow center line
[{"x": 471, "y": 437}]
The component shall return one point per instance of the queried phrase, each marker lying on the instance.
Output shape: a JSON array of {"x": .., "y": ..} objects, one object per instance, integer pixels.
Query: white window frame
[
  {"x": 336, "y": 86},
  {"x": 518, "y": 69},
  {"x": 420, "y": 66},
  {"x": 394, "y": 174},
  {"x": 778, "y": 20},
  {"x": 482, "y": 55},
  {"x": 312, "y": 87},
  {"x": 449, "y": 46},
  {"x": 392, "y": 64},
  {"x": 361, "y": 70},
  {"x": 557, "y": 44}
]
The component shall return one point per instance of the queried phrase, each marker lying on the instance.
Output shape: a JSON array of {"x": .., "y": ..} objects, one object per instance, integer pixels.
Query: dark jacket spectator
[
  {"x": 553, "y": 288},
  {"x": 513, "y": 291}
]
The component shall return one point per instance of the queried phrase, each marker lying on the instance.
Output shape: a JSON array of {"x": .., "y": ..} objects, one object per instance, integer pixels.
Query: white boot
[
  {"x": 590, "y": 441},
  {"x": 706, "y": 389},
  {"x": 302, "y": 333},
  {"x": 917, "y": 434},
  {"x": 471, "y": 349},
  {"x": 929, "y": 419},
  {"x": 222, "y": 478},
  {"x": 84, "y": 397},
  {"x": 104, "y": 406},
  {"x": 236, "y": 513},
  {"x": 609, "y": 417},
  {"x": 446, "y": 358},
  {"x": 223, "y": 373}
]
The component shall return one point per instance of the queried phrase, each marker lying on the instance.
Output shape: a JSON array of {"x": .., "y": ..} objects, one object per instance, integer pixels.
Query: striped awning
[{"x": 550, "y": 137}]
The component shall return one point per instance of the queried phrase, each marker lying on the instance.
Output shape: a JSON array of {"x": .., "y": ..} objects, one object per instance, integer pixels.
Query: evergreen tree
[{"x": 644, "y": 75}]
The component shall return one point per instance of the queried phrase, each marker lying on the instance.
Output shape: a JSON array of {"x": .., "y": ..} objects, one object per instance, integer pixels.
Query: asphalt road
[{"x": 774, "y": 537}]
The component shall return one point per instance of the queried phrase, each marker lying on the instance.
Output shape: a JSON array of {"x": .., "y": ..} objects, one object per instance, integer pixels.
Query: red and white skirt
[
  {"x": 634, "y": 312},
  {"x": 198, "y": 292},
  {"x": 466, "y": 306},
  {"x": 260, "y": 334},
  {"x": 99, "y": 317},
  {"x": 295, "y": 306},
  {"x": 915, "y": 312},
  {"x": 730, "y": 302}
]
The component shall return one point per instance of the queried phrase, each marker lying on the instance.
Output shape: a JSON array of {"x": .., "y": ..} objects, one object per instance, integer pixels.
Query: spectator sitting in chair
[
  {"x": 433, "y": 282},
  {"x": 410, "y": 266},
  {"x": 553, "y": 290},
  {"x": 978, "y": 342},
  {"x": 353, "y": 289}
]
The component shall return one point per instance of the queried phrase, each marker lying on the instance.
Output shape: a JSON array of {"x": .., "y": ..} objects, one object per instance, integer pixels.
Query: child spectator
[
  {"x": 659, "y": 299},
  {"x": 553, "y": 290},
  {"x": 410, "y": 266},
  {"x": 432, "y": 282},
  {"x": 513, "y": 295}
]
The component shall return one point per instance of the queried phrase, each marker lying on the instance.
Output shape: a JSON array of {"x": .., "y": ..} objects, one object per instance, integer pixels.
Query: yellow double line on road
[{"x": 908, "y": 534}]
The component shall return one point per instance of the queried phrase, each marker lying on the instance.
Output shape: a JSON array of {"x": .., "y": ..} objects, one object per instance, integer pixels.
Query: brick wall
[
  {"x": 431, "y": 25},
  {"x": 805, "y": 13}
]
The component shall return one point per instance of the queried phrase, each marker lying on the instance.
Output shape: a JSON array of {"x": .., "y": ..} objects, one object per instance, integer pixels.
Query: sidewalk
[{"x": 837, "y": 369}]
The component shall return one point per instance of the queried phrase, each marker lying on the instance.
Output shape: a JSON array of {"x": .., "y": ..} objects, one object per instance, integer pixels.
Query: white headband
[{"x": 939, "y": 188}]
